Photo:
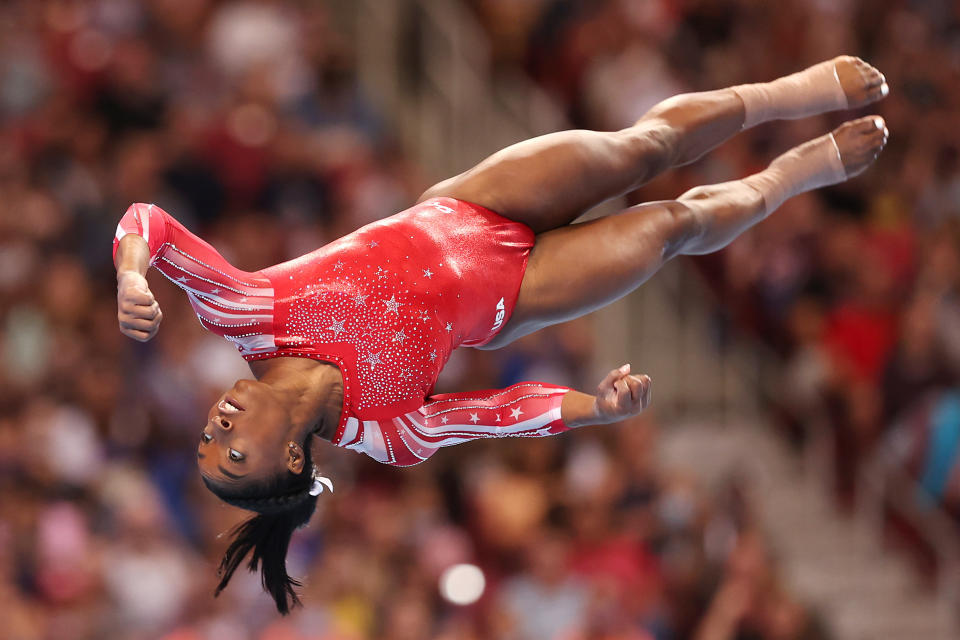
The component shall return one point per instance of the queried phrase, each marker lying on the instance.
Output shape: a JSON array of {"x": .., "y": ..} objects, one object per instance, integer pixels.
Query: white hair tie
[{"x": 319, "y": 482}]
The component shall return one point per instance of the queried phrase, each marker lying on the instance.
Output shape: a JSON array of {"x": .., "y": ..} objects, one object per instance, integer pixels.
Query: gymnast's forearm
[
  {"x": 133, "y": 254},
  {"x": 138, "y": 313},
  {"x": 579, "y": 409}
]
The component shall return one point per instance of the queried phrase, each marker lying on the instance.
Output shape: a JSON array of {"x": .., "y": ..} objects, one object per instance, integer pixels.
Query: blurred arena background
[{"x": 796, "y": 479}]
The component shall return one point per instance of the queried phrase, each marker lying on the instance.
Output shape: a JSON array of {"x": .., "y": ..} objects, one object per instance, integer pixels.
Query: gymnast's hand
[
  {"x": 137, "y": 310},
  {"x": 621, "y": 395}
]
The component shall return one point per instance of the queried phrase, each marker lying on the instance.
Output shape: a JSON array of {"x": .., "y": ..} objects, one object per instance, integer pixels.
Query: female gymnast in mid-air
[{"x": 346, "y": 343}]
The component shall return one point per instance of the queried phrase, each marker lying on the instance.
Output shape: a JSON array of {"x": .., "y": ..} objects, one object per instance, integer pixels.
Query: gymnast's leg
[
  {"x": 578, "y": 268},
  {"x": 549, "y": 181}
]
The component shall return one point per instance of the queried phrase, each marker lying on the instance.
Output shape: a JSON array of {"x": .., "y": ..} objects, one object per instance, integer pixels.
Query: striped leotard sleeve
[
  {"x": 528, "y": 409},
  {"x": 230, "y": 302}
]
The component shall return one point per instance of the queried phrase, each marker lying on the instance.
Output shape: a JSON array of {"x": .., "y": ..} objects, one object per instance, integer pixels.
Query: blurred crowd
[{"x": 245, "y": 120}]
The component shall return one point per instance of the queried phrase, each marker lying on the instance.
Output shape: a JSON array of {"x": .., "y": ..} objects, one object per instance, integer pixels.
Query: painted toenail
[
  {"x": 884, "y": 89},
  {"x": 878, "y": 123}
]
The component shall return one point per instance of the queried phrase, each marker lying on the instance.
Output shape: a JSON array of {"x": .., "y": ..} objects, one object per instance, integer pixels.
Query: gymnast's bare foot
[
  {"x": 860, "y": 142},
  {"x": 845, "y": 82},
  {"x": 861, "y": 82}
]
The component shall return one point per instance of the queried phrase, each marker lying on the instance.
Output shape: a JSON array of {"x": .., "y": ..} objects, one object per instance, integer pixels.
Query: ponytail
[
  {"x": 268, "y": 536},
  {"x": 283, "y": 504}
]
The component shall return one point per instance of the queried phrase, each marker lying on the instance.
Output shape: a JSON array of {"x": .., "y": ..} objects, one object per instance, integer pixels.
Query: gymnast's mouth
[{"x": 228, "y": 406}]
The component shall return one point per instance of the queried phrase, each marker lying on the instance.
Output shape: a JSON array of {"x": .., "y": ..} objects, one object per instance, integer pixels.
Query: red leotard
[{"x": 387, "y": 304}]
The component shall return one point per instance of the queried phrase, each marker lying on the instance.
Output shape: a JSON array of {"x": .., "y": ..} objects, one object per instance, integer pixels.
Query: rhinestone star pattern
[
  {"x": 379, "y": 311},
  {"x": 400, "y": 295}
]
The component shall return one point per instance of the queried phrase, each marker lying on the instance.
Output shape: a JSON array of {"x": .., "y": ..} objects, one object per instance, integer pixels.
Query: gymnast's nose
[{"x": 223, "y": 423}]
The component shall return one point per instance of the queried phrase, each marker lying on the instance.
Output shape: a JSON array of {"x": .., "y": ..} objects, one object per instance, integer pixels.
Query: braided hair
[{"x": 283, "y": 504}]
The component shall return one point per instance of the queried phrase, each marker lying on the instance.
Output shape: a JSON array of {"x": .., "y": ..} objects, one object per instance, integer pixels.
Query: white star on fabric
[
  {"x": 361, "y": 299},
  {"x": 498, "y": 417},
  {"x": 399, "y": 336},
  {"x": 374, "y": 244},
  {"x": 425, "y": 317},
  {"x": 433, "y": 356},
  {"x": 182, "y": 279},
  {"x": 444, "y": 420},
  {"x": 336, "y": 327},
  {"x": 427, "y": 273},
  {"x": 372, "y": 359},
  {"x": 381, "y": 273},
  {"x": 393, "y": 305},
  {"x": 516, "y": 413},
  {"x": 338, "y": 265},
  {"x": 474, "y": 418},
  {"x": 449, "y": 327},
  {"x": 243, "y": 299},
  {"x": 215, "y": 290}
]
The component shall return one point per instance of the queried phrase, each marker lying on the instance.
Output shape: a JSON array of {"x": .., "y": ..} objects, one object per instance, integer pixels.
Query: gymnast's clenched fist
[
  {"x": 621, "y": 395},
  {"x": 137, "y": 310}
]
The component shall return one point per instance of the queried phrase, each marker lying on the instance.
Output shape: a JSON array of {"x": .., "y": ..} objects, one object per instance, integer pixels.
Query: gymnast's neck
[{"x": 311, "y": 390}]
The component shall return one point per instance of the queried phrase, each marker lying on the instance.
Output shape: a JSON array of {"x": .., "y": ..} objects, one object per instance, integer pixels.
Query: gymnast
[{"x": 346, "y": 343}]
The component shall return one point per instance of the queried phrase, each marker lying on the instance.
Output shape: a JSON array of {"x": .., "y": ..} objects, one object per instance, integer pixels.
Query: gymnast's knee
[{"x": 653, "y": 142}]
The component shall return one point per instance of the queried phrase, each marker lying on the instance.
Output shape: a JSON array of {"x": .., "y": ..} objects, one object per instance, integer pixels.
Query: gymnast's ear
[{"x": 294, "y": 458}]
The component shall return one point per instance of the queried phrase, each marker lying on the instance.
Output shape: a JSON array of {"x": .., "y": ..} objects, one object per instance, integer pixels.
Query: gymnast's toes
[
  {"x": 862, "y": 82},
  {"x": 860, "y": 142}
]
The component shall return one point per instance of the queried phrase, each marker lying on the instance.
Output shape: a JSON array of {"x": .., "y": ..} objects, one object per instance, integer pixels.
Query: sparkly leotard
[{"x": 387, "y": 304}]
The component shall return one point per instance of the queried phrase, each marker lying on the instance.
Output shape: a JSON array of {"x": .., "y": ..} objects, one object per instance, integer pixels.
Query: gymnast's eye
[
  {"x": 235, "y": 455},
  {"x": 205, "y": 438}
]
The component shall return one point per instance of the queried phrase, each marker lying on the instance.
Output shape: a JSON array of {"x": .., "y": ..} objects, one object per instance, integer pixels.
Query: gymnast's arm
[
  {"x": 531, "y": 409},
  {"x": 223, "y": 296},
  {"x": 139, "y": 241}
]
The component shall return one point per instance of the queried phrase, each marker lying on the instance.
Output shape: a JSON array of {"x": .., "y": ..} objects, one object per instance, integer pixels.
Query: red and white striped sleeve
[
  {"x": 528, "y": 409},
  {"x": 230, "y": 302}
]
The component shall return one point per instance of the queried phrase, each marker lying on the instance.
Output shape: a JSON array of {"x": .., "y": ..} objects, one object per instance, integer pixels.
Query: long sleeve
[
  {"x": 528, "y": 409},
  {"x": 235, "y": 304}
]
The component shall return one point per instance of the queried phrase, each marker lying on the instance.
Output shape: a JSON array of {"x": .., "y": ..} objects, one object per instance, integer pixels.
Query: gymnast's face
[{"x": 246, "y": 436}]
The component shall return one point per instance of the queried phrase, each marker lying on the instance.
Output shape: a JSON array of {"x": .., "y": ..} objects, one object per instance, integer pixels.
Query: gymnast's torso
[
  {"x": 392, "y": 300},
  {"x": 387, "y": 304}
]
